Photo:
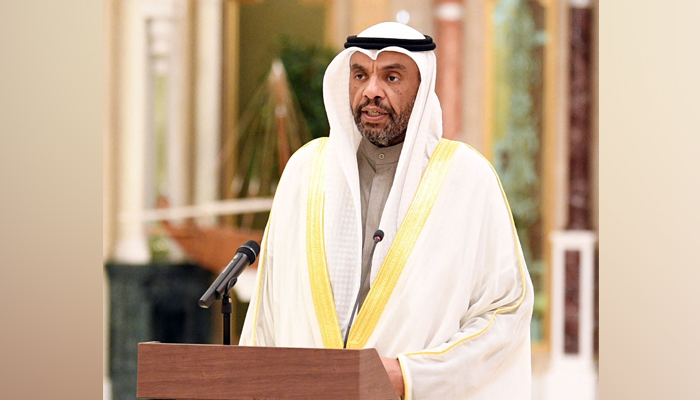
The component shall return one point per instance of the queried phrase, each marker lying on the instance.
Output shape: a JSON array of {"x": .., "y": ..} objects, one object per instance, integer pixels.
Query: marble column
[
  {"x": 208, "y": 103},
  {"x": 579, "y": 122},
  {"x": 178, "y": 135},
  {"x": 448, "y": 28},
  {"x": 131, "y": 244},
  {"x": 572, "y": 373},
  {"x": 579, "y": 149}
]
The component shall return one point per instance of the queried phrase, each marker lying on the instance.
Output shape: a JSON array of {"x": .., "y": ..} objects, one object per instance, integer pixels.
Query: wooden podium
[{"x": 217, "y": 372}]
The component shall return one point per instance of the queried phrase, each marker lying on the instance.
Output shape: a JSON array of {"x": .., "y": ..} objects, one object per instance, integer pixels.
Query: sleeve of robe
[
  {"x": 259, "y": 326},
  {"x": 489, "y": 356}
]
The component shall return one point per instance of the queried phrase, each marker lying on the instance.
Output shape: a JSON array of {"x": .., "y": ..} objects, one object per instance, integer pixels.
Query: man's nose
[{"x": 374, "y": 89}]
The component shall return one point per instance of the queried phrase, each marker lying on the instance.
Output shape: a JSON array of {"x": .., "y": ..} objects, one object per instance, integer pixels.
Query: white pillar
[
  {"x": 177, "y": 136},
  {"x": 572, "y": 376},
  {"x": 168, "y": 59},
  {"x": 131, "y": 244},
  {"x": 208, "y": 102}
]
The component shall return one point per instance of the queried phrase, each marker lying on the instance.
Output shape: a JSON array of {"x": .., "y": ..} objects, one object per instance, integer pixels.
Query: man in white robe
[{"x": 448, "y": 299}]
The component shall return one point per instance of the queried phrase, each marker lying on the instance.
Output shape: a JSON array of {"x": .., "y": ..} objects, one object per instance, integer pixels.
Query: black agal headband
[{"x": 370, "y": 43}]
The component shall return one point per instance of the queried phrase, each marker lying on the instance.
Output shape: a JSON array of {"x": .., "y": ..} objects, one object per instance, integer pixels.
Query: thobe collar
[{"x": 379, "y": 155}]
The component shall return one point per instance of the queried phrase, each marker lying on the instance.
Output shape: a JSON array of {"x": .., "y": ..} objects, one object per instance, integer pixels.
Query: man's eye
[
  {"x": 393, "y": 79},
  {"x": 359, "y": 76}
]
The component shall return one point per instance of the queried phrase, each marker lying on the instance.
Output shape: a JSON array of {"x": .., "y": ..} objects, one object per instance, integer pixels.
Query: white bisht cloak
[{"x": 450, "y": 295}]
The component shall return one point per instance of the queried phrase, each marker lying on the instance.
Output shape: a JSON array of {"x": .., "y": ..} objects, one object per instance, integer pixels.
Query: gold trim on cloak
[{"x": 321, "y": 290}]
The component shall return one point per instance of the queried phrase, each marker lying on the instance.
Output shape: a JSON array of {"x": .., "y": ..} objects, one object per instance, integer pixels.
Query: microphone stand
[
  {"x": 245, "y": 255},
  {"x": 226, "y": 309},
  {"x": 378, "y": 236}
]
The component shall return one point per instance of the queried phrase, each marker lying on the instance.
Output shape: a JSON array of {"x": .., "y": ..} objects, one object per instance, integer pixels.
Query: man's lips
[{"x": 373, "y": 114}]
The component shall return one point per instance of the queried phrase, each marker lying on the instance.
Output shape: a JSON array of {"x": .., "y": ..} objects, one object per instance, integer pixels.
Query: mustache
[{"x": 377, "y": 104}]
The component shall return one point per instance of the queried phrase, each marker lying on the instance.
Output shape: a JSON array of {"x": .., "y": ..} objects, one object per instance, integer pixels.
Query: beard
[{"x": 388, "y": 135}]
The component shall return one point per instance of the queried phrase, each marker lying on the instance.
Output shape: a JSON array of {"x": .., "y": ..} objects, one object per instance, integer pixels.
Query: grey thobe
[{"x": 377, "y": 166}]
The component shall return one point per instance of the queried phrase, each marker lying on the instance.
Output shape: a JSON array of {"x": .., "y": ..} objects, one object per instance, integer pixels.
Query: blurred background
[{"x": 205, "y": 100}]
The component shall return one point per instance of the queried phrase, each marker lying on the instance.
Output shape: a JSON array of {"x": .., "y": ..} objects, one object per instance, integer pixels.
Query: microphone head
[
  {"x": 251, "y": 249},
  {"x": 378, "y": 235}
]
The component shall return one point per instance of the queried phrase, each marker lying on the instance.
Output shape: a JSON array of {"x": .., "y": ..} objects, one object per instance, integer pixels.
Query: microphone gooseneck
[{"x": 377, "y": 237}]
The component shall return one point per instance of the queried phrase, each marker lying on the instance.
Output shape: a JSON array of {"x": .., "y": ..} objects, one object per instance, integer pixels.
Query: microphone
[
  {"x": 245, "y": 255},
  {"x": 377, "y": 237}
]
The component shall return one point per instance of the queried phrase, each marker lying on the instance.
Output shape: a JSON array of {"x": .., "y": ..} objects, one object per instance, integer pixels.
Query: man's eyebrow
[
  {"x": 394, "y": 66},
  {"x": 358, "y": 67}
]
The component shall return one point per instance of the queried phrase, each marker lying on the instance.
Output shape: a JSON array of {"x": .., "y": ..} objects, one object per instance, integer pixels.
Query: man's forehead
[{"x": 385, "y": 57}]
